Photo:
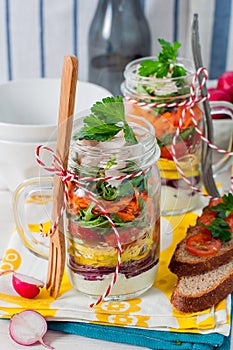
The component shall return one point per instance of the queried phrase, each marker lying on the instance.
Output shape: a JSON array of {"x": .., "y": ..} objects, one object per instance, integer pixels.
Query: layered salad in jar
[
  {"x": 114, "y": 159},
  {"x": 159, "y": 88}
]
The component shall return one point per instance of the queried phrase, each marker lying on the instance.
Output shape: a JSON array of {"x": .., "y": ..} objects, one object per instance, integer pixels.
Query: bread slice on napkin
[
  {"x": 185, "y": 264},
  {"x": 200, "y": 292},
  {"x": 203, "y": 260}
]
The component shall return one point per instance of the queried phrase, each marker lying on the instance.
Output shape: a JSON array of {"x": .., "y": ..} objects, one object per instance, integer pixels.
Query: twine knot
[
  {"x": 56, "y": 167},
  {"x": 195, "y": 97}
]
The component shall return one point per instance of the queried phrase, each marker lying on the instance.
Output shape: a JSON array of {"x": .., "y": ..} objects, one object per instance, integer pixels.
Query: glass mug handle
[
  {"x": 32, "y": 205},
  {"x": 224, "y": 129}
]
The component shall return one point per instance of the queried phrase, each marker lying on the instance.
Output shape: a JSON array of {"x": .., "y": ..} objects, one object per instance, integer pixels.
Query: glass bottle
[{"x": 118, "y": 34}]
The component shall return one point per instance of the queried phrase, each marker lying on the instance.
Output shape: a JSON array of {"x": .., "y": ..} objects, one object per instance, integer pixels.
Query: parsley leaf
[
  {"x": 165, "y": 64},
  {"x": 178, "y": 71},
  {"x": 224, "y": 209},
  {"x": 219, "y": 227},
  {"x": 107, "y": 118}
]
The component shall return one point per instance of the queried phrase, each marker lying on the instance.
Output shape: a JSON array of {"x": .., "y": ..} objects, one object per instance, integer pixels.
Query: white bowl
[
  {"x": 29, "y": 108},
  {"x": 28, "y": 117},
  {"x": 18, "y": 162}
]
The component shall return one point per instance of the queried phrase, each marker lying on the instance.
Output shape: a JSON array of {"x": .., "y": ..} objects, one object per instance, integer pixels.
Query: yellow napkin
[{"x": 152, "y": 310}]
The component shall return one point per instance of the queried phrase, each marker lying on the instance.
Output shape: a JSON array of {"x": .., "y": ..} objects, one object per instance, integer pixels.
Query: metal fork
[
  {"x": 207, "y": 171},
  {"x": 65, "y": 121}
]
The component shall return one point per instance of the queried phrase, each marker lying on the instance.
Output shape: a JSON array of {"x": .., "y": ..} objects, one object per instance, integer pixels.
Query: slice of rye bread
[
  {"x": 184, "y": 263},
  {"x": 200, "y": 292}
]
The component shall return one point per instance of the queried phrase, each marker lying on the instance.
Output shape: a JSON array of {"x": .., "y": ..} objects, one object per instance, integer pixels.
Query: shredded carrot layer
[
  {"x": 167, "y": 123},
  {"x": 127, "y": 208}
]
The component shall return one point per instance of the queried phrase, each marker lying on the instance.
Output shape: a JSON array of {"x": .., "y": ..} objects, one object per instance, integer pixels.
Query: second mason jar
[
  {"x": 122, "y": 180},
  {"x": 163, "y": 103}
]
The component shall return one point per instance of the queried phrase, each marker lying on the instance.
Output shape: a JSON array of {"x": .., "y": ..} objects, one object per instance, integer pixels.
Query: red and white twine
[
  {"x": 67, "y": 176},
  {"x": 194, "y": 98}
]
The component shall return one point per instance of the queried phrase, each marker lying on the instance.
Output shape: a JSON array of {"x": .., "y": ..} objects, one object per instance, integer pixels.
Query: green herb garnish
[
  {"x": 219, "y": 227},
  {"x": 187, "y": 134},
  {"x": 224, "y": 209},
  {"x": 166, "y": 63},
  {"x": 107, "y": 118},
  {"x": 106, "y": 191}
]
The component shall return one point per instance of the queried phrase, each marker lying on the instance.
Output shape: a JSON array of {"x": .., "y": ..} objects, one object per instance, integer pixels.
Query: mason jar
[
  {"x": 121, "y": 182},
  {"x": 164, "y": 102}
]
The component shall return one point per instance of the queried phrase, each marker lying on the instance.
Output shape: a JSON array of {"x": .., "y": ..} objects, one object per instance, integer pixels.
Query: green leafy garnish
[
  {"x": 106, "y": 191},
  {"x": 166, "y": 63},
  {"x": 224, "y": 209},
  {"x": 110, "y": 163},
  {"x": 219, "y": 227},
  {"x": 107, "y": 118},
  {"x": 187, "y": 134}
]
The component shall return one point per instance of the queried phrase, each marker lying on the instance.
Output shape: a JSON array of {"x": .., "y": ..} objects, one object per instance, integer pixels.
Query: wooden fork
[{"x": 65, "y": 121}]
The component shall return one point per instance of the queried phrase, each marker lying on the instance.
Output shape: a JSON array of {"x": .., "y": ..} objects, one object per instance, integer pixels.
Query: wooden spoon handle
[{"x": 65, "y": 123}]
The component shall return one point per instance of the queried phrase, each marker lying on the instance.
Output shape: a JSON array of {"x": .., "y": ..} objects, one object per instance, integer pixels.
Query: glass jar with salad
[
  {"x": 162, "y": 86},
  {"x": 113, "y": 211}
]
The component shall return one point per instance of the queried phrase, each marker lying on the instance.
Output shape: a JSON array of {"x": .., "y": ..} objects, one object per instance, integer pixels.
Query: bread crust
[
  {"x": 184, "y": 263},
  {"x": 204, "y": 301}
]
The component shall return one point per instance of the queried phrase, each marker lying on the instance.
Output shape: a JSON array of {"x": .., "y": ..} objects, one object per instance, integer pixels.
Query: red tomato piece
[
  {"x": 215, "y": 201},
  {"x": 229, "y": 220},
  {"x": 86, "y": 234},
  {"x": 126, "y": 236},
  {"x": 180, "y": 151},
  {"x": 206, "y": 219},
  {"x": 203, "y": 244}
]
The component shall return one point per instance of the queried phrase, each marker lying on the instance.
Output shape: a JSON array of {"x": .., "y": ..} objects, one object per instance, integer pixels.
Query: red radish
[
  {"x": 26, "y": 286},
  {"x": 218, "y": 95},
  {"x": 28, "y": 327},
  {"x": 225, "y": 82}
]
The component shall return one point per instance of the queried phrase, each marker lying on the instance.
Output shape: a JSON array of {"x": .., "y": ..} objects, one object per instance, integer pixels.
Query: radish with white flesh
[
  {"x": 28, "y": 327},
  {"x": 27, "y": 287}
]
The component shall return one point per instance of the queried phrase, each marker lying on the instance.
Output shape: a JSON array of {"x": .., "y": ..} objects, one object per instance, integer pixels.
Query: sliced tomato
[
  {"x": 229, "y": 220},
  {"x": 126, "y": 236},
  {"x": 206, "y": 219},
  {"x": 180, "y": 150},
  {"x": 214, "y": 202},
  {"x": 83, "y": 233},
  {"x": 203, "y": 244}
]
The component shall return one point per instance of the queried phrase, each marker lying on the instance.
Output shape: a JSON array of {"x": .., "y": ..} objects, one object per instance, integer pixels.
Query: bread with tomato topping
[
  {"x": 184, "y": 263},
  {"x": 188, "y": 260},
  {"x": 202, "y": 291},
  {"x": 203, "y": 260}
]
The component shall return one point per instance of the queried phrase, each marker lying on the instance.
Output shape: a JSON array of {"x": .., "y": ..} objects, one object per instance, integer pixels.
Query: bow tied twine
[
  {"x": 195, "y": 97},
  {"x": 66, "y": 175}
]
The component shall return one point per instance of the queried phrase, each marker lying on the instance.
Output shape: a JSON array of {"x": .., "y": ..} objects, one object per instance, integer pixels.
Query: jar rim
[
  {"x": 147, "y": 140},
  {"x": 154, "y": 89},
  {"x": 130, "y": 71}
]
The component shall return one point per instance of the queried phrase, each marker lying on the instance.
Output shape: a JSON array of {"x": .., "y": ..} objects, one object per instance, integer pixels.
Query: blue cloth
[
  {"x": 154, "y": 340},
  {"x": 144, "y": 337}
]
